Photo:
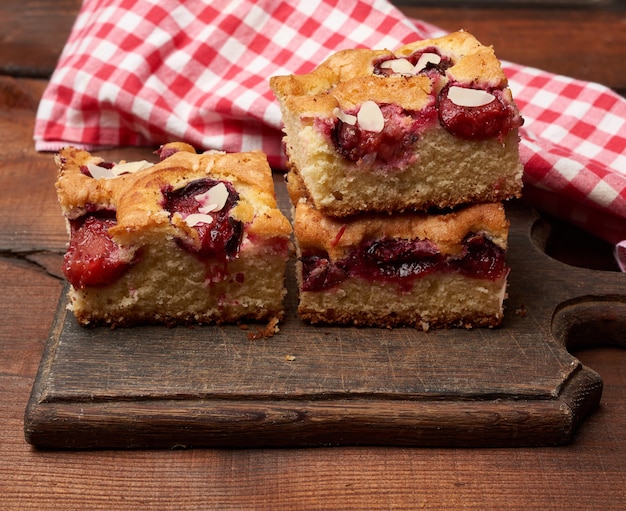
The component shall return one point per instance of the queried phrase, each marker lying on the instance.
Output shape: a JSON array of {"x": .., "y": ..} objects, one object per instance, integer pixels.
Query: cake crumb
[{"x": 269, "y": 331}]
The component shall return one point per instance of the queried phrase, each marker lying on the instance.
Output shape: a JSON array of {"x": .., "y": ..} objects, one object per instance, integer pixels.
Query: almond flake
[
  {"x": 213, "y": 199},
  {"x": 370, "y": 117},
  {"x": 342, "y": 116},
  {"x": 98, "y": 172},
  {"x": 400, "y": 66},
  {"x": 469, "y": 97},
  {"x": 211, "y": 208},
  {"x": 198, "y": 218},
  {"x": 130, "y": 167},
  {"x": 425, "y": 59}
]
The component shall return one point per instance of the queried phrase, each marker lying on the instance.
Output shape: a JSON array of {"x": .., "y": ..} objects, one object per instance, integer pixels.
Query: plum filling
[
  {"x": 93, "y": 258},
  {"x": 388, "y": 149},
  {"x": 481, "y": 258},
  {"x": 402, "y": 261},
  {"x": 220, "y": 235},
  {"x": 493, "y": 119},
  {"x": 165, "y": 152}
]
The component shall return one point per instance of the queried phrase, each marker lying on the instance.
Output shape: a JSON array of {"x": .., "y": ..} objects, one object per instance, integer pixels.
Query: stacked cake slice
[{"x": 398, "y": 166}]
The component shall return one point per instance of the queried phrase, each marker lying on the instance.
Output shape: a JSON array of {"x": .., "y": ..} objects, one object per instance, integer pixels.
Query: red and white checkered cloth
[{"x": 145, "y": 72}]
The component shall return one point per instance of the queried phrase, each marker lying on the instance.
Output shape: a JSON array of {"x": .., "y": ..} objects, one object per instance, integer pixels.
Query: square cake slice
[
  {"x": 194, "y": 238},
  {"x": 431, "y": 124},
  {"x": 406, "y": 269}
]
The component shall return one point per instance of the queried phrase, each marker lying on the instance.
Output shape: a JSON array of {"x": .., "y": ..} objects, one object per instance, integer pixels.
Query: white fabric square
[
  {"x": 589, "y": 149},
  {"x": 577, "y": 109},
  {"x": 603, "y": 194},
  {"x": 613, "y": 124},
  {"x": 129, "y": 22}
]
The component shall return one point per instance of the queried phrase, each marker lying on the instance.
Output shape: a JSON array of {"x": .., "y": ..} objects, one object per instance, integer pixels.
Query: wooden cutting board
[{"x": 516, "y": 385}]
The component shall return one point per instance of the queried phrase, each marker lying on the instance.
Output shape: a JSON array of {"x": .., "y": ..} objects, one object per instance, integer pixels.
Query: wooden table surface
[{"x": 590, "y": 473}]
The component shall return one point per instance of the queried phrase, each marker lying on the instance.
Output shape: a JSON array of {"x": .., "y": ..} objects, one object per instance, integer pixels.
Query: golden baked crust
[
  {"x": 339, "y": 67},
  {"x": 137, "y": 197},
  {"x": 474, "y": 63},
  {"x": 337, "y": 236},
  {"x": 349, "y": 73},
  {"x": 412, "y": 93}
]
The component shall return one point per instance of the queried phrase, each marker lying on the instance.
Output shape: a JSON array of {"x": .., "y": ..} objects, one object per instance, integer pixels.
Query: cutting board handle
[{"x": 591, "y": 321}]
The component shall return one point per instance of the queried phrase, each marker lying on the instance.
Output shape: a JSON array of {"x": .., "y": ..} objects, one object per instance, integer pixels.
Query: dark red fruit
[
  {"x": 402, "y": 261},
  {"x": 389, "y": 148},
  {"x": 219, "y": 239},
  {"x": 93, "y": 258},
  {"x": 481, "y": 258},
  {"x": 165, "y": 152},
  {"x": 495, "y": 119},
  {"x": 319, "y": 273},
  {"x": 396, "y": 258}
]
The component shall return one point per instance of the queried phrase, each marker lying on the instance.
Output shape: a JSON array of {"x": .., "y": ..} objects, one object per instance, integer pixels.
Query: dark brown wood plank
[
  {"x": 33, "y": 224},
  {"x": 33, "y": 34}
]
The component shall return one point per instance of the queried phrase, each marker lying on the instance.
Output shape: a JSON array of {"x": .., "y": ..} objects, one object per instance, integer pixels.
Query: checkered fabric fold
[{"x": 145, "y": 72}]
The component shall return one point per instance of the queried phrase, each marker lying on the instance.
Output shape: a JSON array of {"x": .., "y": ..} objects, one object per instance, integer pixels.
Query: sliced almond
[
  {"x": 98, "y": 172},
  {"x": 469, "y": 97},
  {"x": 344, "y": 117},
  {"x": 198, "y": 218},
  {"x": 124, "y": 167},
  {"x": 205, "y": 210},
  {"x": 370, "y": 117},
  {"x": 214, "y": 199},
  {"x": 130, "y": 167},
  {"x": 425, "y": 59},
  {"x": 400, "y": 66}
]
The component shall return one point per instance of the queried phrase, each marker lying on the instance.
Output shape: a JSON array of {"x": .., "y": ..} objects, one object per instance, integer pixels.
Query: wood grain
[{"x": 33, "y": 35}]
